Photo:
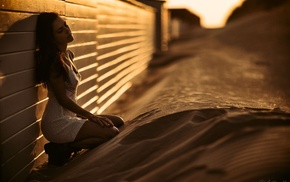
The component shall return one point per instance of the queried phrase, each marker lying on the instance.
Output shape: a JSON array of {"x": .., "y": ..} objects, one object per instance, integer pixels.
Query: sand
[{"x": 218, "y": 111}]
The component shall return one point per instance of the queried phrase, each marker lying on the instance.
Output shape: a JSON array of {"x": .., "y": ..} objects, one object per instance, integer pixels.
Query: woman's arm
[{"x": 57, "y": 85}]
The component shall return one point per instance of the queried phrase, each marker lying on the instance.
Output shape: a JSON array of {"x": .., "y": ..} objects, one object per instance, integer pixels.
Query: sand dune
[{"x": 195, "y": 145}]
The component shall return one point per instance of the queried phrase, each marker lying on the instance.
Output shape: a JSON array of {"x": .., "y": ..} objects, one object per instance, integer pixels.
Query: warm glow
[{"x": 213, "y": 13}]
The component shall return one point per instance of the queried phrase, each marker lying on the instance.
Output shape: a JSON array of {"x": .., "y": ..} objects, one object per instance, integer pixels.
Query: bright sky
[{"x": 213, "y": 13}]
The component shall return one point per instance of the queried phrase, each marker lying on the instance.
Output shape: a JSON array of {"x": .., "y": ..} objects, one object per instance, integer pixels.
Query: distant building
[{"x": 182, "y": 23}]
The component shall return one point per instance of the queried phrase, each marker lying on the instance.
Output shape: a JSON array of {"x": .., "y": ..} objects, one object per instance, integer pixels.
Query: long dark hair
[{"x": 47, "y": 54}]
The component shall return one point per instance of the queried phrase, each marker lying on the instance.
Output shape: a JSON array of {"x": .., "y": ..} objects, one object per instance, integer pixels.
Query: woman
[{"x": 65, "y": 124}]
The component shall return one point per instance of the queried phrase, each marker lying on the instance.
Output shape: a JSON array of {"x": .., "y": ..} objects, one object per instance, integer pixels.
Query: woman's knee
[
  {"x": 117, "y": 120},
  {"x": 93, "y": 130},
  {"x": 112, "y": 132}
]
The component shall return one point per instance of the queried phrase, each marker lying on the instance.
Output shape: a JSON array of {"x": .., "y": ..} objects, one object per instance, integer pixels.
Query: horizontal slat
[
  {"x": 120, "y": 43},
  {"x": 76, "y": 23},
  {"x": 91, "y": 101},
  {"x": 120, "y": 26},
  {"x": 88, "y": 75},
  {"x": 20, "y": 61},
  {"x": 17, "y": 22},
  {"x": 84, "y": 44},
  {"x": 83, "y": 37},
  {"x": 122, "y": 8},
  {"x": 94, "y": 110},
  {"x": 122, "y": 34},
  {"x": 130, "y": 4},
  {"x": 88, "y": 79},
  {"x": 11, "y": 104},
  {"x": 88, "y": 67},
  {"x": 118, "y": 51},
  {"x": 16, "y": 82},
  {"x": 118, "y": 60},
  {"x": 89, "y": 3},
  {"x": 85, "y": 61},
  {"x": 91, "y": 55},
  {"x": 89, "y": 91},
  {"x": 15, "y": 42},
  {"x": 102, "y": 31},
  {"x": 108, "y": 50},
  {"x": 115, "y": 19},
  {"x": 85, "y": 85},
  {"x": 74, "y": 10},
  {"x": 37, "y": 6},
  {"x": 91, "y": 105}
]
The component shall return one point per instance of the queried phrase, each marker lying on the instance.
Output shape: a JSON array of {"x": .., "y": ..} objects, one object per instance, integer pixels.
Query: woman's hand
[{"x": 102, "y": 121}]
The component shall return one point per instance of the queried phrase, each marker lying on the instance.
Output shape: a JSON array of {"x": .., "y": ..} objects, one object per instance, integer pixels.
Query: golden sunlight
[{"x": 212, "y": 13}]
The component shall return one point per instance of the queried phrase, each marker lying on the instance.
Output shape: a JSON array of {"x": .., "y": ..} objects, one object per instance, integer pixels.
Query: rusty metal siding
[
  {"x": 110, "y": 49},
  {"x": 125, "y": 45}
]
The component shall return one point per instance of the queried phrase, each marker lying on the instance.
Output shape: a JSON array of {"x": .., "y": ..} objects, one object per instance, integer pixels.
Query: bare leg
[{"x": 91, "y": 135}]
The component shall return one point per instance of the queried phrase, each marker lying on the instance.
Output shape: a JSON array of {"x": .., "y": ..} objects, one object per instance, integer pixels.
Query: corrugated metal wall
[{"x": 113, "y": 43}]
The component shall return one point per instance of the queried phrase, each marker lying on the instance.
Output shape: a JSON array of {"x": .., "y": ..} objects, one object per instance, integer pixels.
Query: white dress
[{"x": 60, "y": 125}]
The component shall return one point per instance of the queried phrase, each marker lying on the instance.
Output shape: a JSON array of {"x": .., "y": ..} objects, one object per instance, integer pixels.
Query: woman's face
[{"x": 61, "y": 32}]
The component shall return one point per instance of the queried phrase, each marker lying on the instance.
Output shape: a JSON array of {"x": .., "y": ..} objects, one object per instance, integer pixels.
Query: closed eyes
[{"x": 60, "y": 30}]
